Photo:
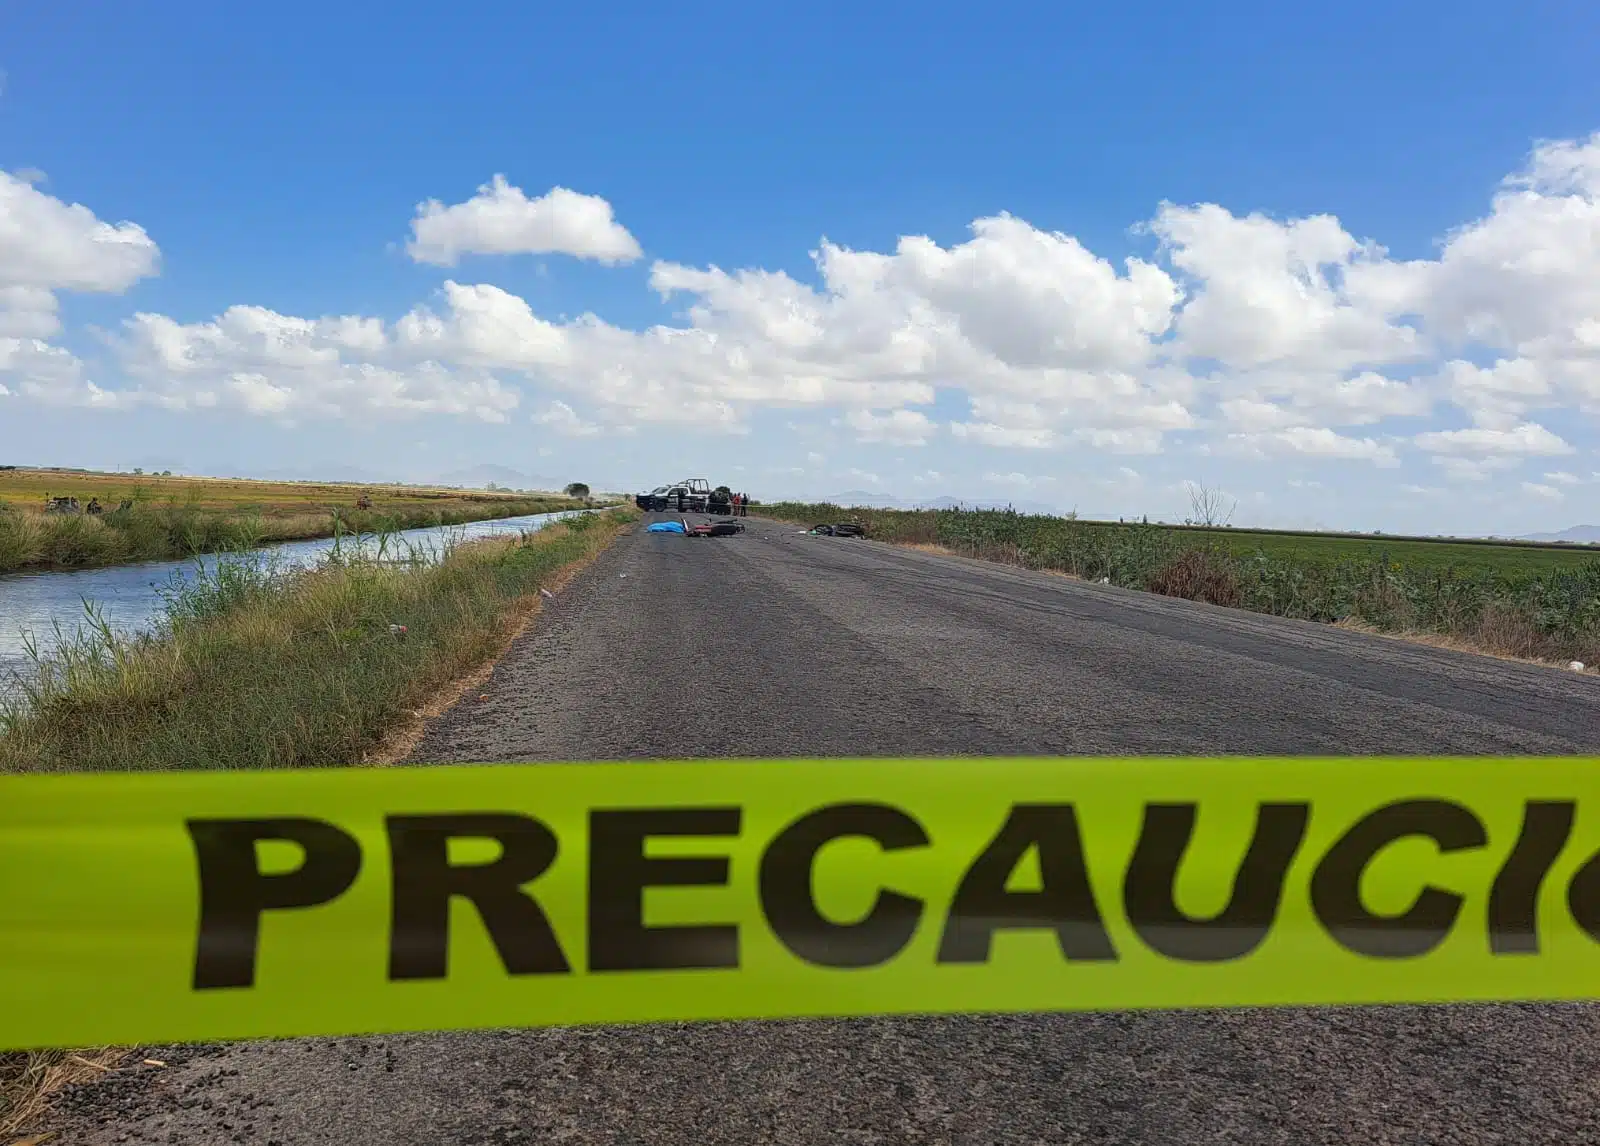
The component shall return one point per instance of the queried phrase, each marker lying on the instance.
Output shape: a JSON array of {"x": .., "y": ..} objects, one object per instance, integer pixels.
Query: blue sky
[{"x": 274, "y": 160}]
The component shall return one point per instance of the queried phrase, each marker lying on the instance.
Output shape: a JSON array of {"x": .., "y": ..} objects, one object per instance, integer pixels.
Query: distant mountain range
[{"x": 1583, "y": 534}]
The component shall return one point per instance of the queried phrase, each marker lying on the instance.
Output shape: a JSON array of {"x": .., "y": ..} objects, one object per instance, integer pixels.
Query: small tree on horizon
[
  {"x": 1209, "y": 507},
  {"x": 577, "y": 489}
]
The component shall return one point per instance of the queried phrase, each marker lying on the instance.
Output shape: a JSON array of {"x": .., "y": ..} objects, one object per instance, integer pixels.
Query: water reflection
[{"x": 126, "y": 595}]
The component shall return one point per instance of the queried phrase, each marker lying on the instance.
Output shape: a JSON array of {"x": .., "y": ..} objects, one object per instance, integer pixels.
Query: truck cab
[
  {"x": 655, "y": 499},
  {"x": 691, "y": 495}
]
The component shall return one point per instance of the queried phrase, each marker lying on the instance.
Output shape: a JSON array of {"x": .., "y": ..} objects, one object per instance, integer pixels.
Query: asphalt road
[{"x": 826, "y": 646}]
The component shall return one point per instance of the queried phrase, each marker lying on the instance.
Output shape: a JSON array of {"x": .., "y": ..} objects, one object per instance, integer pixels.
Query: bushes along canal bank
[
  {"x": 147, "y": 532},
  {"x": 258, "y": 667}
]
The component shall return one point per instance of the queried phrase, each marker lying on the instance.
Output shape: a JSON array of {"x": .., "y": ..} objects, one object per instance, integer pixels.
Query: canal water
[{"x": 126, "y": 595}]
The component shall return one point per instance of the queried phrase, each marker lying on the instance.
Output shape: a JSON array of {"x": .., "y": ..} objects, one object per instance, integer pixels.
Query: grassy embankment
[
  {"x": 257, "y": 667},
  {"x": 1535, "y": 602},
  {"x": 181, "y": 516}
]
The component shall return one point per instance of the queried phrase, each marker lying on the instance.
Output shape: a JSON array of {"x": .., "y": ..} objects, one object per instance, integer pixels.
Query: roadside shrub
[
  {"x": 20, "y": 540},
  {"x": 71, "y": 540},
  {"x": 1198, "y": 575}
]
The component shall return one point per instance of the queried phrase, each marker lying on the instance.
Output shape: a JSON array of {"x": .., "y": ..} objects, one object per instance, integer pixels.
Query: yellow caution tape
[{"x": 146, "y": 908}]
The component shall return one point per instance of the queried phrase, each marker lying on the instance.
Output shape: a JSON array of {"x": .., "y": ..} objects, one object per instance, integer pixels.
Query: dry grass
[
  {"x": 28, "y": 488},
  {"x": 27, "y": 1080},
  {"x": 1481, "y": 646},
  {"x": 1197, "y": 575},
  {"x": 403, "y": 737}
]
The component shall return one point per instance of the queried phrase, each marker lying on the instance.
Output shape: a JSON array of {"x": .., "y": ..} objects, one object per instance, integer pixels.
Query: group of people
[
  {"x": 70, "y": 505},
  {"x": 740, "y": 505}
]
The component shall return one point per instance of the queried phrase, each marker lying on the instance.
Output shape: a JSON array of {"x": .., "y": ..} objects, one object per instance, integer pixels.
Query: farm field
[
  {"x": 1526, "y": 600},
  {"x": 148, "y": 517},
  {"x": 26, "y": 489},
  {"x": 1501, "y": 555}
]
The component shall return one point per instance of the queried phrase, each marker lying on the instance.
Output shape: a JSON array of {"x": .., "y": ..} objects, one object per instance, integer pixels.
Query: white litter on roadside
[{"x": 1576, "y": 666}]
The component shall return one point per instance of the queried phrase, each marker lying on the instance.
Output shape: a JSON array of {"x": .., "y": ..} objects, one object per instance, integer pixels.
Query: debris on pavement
[
  {"x": 724, "y": 528},
  {"x": 727, "y": 527}
]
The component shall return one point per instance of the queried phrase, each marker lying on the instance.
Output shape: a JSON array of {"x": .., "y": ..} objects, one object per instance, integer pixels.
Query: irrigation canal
[{"x": 128, "y": 597}]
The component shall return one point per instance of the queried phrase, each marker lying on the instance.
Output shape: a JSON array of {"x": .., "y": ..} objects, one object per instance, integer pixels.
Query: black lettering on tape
[
  {"x": 1149, "y": 891},
  {"x": 234, "y": 891},
  {"x": 619, "y": 872},
  {"x": 1064, "y": 903},
  {"x": 1583, "y": 897},
  {"x": 1514, "y": 897},
  {"x": 790, "y": 906},
  {"x": 425, "y": 881},
  {"x": 1336, "y": 884}
]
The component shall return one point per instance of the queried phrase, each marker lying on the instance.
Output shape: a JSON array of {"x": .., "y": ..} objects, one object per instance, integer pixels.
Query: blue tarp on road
[{"x": 667, "y": 527}]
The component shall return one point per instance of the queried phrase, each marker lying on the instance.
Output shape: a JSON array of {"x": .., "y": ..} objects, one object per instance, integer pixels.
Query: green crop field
[
  {"x": 1517, "y": 599},
  {"x": 1507, "y": 556}
]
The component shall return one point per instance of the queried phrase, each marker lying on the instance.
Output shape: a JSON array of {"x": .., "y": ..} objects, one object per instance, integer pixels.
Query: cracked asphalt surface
[{"x": 824, "y": 646}]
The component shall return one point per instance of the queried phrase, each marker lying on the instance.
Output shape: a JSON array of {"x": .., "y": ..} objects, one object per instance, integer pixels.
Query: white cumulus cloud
[
  {"x": 1302, "y": 293},
  {"x": 564, "y": 420},
  {"x": 1014, "y": 478},
  {"x": 255, "y": 361},
  {"x": 501, "y": 220},
  {"x": 46, "y": 246},
  {"x": 900, "y": 427},
  {"x": 1244, "y": 334},
  {"x": 1527, "y": 439},
  {"x": 1310, "y": 442},
  {"x": 1007, "y": 437}
]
